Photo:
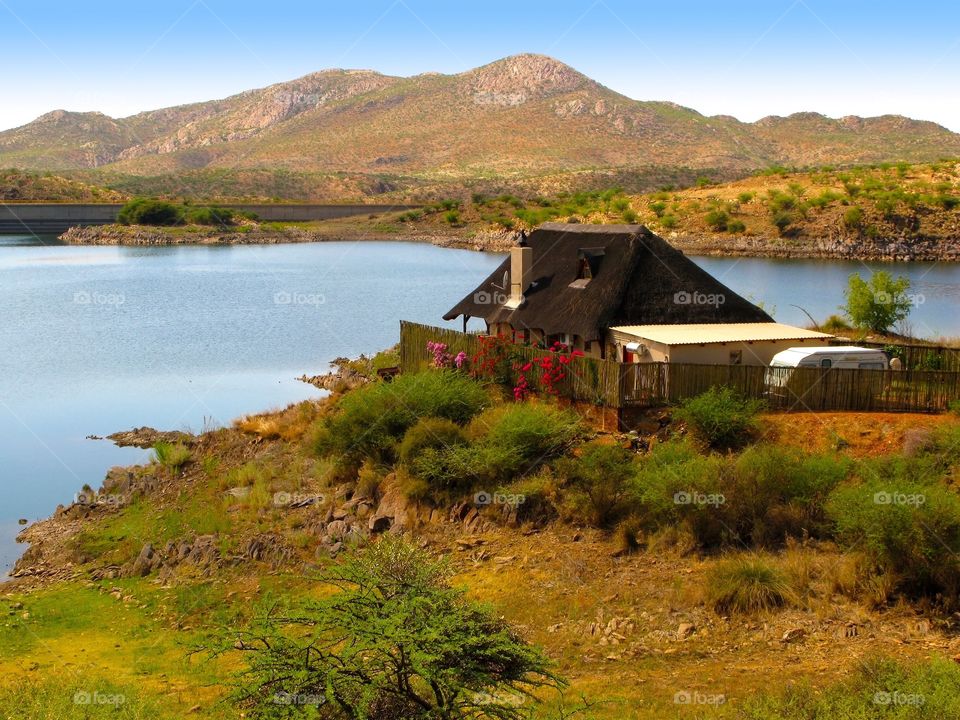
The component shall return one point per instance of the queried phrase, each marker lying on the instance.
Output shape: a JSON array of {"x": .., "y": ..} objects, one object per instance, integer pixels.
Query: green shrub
[
  {"x": 720, "y": 417},
  {"x": 370, "y": 421},
  {"x": 658, "y": 208},
  {"x": 452, "y": 217},
  {"x": 853, "y": 218},
  {"x": 668, "y": 221},
  {"x": 745, "y": 585},
  {"x": 600, "y": 483},
  {"x": 209, "y": 216},
  {"x": 717, "y": 219},
  {"x": 782, "y": 220},
  {"x": 459, "y": 659},
  {"x": 144, "y": 211},
  {"x": 436, "y": 453},
  {"x": 677, "y": 487},
  {"x": 527, "y": 434},
  {"x": 908, "y": 528},
  {"x": 773, "y": 492},
  {"x": 629, "y": 216},
  {"x": 736, "y": 226},
  {"x": 171, "y": 455},
  {"x": 443, "y": 473},
  {"x": 880, "y": 688},
  {"x": 430, "y": 432},
  {"x": 744, "y": 197},
  {"x": 760, "y": 498}
]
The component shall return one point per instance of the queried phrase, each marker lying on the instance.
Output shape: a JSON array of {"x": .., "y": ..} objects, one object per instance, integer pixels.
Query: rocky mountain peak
[{"x": 527, "y": 75}]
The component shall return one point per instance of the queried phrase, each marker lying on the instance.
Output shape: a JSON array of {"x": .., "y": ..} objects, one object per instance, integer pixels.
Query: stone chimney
[{"x": 521, "y": 264}]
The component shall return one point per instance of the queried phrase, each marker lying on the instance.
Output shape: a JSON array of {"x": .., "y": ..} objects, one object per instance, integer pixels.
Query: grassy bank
[{"x": 788, "y": 573}]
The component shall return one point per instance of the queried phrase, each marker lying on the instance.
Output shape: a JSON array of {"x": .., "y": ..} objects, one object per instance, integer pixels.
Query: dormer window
[{"x": 588, "y": 264}]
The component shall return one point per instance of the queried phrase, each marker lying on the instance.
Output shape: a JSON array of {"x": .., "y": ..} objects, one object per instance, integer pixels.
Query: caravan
[
  {"x": 798, "y": 371},
  {"x": 839, "y": 356}
]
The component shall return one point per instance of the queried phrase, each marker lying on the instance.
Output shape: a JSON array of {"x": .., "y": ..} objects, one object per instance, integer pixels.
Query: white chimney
[{"x": 521, "y": 264}]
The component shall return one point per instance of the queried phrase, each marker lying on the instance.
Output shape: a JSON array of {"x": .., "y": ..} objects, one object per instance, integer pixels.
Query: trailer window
[
  {"x": 871, "y": 366},
  {"x": 826, "y": 363}
]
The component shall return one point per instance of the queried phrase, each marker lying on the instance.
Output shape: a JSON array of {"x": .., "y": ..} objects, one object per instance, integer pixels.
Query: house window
[{"x": 520, "y": 336}]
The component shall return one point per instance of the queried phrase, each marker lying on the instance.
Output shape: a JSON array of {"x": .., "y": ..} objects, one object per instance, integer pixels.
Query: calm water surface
[{"x": 99, "y": 339}]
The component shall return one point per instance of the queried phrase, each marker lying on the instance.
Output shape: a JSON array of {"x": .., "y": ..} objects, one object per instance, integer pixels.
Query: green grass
[{"x": 882, "y": 690}]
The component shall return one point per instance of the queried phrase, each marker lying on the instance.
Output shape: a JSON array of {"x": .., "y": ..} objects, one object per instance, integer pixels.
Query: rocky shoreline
[
  {"x": 828, "y": 248},
  {"x": 487, "y": 240},
  {"x": 836, "y": 247}
]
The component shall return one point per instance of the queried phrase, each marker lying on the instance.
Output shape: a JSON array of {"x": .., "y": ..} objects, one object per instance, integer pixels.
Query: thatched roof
[{"x": 638, "y": 279}]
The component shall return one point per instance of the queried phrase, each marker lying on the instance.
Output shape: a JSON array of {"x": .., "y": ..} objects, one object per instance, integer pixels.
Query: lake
[{"x": 100, "y": 339}]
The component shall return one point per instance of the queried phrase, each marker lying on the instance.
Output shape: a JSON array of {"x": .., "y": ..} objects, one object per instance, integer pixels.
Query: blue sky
[{"x": 746, "y": 58}]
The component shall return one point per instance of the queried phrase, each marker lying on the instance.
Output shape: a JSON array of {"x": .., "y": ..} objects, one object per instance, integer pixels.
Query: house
[{"x": 620, "y": 292}]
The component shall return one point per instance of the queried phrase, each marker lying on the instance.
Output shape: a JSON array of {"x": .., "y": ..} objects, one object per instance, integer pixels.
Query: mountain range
[{"x": 521, "y": 117}]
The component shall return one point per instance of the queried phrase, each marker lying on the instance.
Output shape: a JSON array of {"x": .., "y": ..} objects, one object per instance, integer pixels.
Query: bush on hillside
[
  {"x": 430, "y": 432},
  {"x": 370, "y": 421},
  {"x": 773, "y": 493},
  {"x": 526, "y": 435},
  {"x": 908, "y": 528},
  {"x": 391, "y": 600},
  {"x": 721, "y": 418},
  {"x": 880, "y": 688},
  {"x": 745, "y": 585},
  {"x": 599, "y": 483},
  {"x": 758, "y": 499}
]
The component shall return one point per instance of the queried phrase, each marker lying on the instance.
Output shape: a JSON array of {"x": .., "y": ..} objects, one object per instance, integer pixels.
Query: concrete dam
[{"x": 56, "y": 218}]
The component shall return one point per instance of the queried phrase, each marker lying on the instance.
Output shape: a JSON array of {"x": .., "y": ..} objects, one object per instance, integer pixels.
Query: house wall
[
  {"x": 533, "y": 337},
  {"x": 752, "y": 353}
]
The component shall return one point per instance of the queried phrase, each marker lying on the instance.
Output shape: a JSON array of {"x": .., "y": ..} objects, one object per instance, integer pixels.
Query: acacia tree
[
  {"x": 395, "y": 640},
  {"x": 879, "y": 303}
]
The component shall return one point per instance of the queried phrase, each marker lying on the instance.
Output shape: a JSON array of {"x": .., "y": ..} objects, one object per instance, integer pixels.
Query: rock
[
  {"x": 793, "y": 635},
  {"x": 685, "y": 630},
  {"x": 337, "y": 529},
  {"x": 379, "y": 524},
  {"x": 147, "y": 437},
  {"x": 144, "y": 562}
]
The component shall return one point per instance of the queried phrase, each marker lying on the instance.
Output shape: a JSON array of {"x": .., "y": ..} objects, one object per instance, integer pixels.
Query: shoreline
[{"x": 492, "y": 240}]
